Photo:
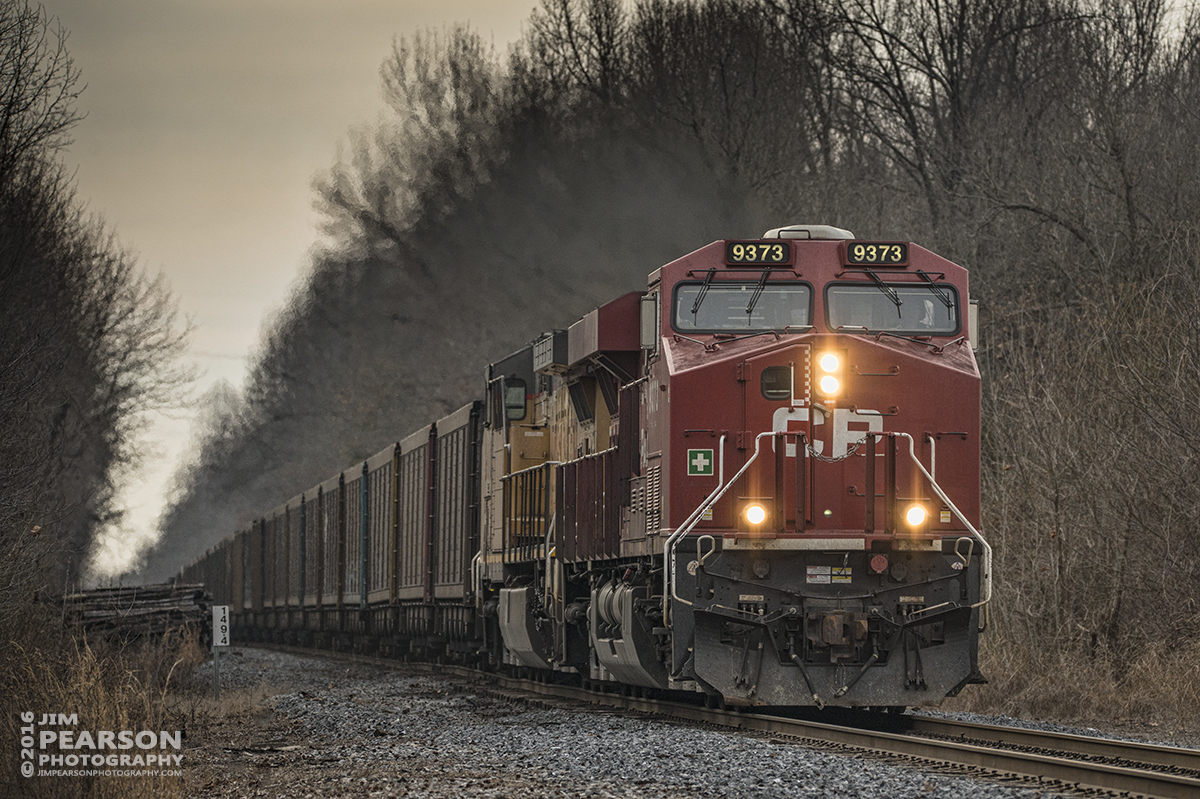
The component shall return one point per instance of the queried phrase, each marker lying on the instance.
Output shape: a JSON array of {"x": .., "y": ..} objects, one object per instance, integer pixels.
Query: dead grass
[
  {"x": 1159, "y": 684},
  {"x": 110, "y": 686},
  {"x": 218, "y": 731},
  {"x": 196, "y": 710}
]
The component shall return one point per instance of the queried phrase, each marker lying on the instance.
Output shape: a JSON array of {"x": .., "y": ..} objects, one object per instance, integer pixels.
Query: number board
[
  {"x": 220, "y": 615},
  {"x": 757, "y": 253},
  {"x": 875, "y": 253}
]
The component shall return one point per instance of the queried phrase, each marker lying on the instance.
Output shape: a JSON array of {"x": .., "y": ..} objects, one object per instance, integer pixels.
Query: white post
[{"x": 220, "y": 638}]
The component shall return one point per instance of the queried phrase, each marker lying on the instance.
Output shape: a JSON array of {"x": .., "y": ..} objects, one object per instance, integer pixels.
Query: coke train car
[{"x": 758, "y": 480}]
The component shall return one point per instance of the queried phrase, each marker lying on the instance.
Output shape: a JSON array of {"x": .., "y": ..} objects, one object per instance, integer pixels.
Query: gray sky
[{"x": 206, "y": 122}]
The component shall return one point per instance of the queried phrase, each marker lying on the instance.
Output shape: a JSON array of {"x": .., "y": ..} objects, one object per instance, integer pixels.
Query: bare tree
[
  {"x": 922, "y": 76},
  {"x": 39, "y": 85},
  {"x": 582, "y": 45},
  {"x": 1048, "y": 145},
  {"x": 88, "y": 343}
]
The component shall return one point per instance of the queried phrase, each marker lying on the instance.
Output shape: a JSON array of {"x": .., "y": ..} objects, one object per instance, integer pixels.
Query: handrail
[
  {"x": 668, "y": 545},
  {"x": 477, "y": 573},
  {"x": 987, "y": 548},
  {"x": 535, "y": 467},
  {"x": 546, "y": 554},
  {"x": 694, "y": 519}
]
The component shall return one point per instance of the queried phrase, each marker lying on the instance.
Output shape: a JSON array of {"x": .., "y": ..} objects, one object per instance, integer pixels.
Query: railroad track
[{"x": 1055, "y": 760}]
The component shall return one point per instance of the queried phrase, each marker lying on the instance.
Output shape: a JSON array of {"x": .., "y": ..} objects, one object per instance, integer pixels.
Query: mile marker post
[{"x": 220, "y": 640}]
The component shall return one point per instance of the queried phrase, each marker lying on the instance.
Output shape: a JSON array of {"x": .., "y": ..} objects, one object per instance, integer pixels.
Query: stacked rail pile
[{"x": 138, "y": 610}]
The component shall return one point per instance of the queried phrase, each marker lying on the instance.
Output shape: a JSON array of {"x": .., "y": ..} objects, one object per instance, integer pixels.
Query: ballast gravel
[{"x": 338, "y": 729}]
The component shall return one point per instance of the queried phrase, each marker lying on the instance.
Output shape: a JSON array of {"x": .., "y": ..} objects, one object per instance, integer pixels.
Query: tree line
[
  {"x": 88, "y": 342},
  {"x": 1047, "y": 145}
]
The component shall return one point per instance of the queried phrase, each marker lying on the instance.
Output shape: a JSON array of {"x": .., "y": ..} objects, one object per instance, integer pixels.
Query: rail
[{"x": 1058, "y": 760}]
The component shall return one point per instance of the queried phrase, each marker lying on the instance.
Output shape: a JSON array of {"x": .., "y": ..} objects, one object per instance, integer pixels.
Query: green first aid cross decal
[{"x": 700, "y": 462}]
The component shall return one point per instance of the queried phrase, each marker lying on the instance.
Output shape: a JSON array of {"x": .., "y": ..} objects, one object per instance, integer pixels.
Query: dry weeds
[
  {"x": 1157, "y": 686},
  {"x": 110, "y": 686}
]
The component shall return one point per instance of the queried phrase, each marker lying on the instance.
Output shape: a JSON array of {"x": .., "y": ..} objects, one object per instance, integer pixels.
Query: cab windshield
[
  {"x": 740, "y": 307},
  {"x": 897, "y": 308}
]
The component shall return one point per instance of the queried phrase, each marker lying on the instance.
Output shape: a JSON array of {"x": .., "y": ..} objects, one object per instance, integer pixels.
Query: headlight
[
  {"x": 829, "y": 371},
  {"x": 755, "y": 514},
  {"x": 915, "y": 516}
]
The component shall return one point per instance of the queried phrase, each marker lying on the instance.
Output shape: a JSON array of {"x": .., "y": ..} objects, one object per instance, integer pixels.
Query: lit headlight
[
  {"x": 915, "y": 516},
  {"x": 755, "y": 514},
  {"x": 829, "y": 374}
]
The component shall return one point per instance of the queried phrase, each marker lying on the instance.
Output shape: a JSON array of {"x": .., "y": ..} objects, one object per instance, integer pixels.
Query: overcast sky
[{"x": 206, "y": 122}]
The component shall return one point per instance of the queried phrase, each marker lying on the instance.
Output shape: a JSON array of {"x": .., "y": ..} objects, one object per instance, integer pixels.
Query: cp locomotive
[{"x": 757, "y": 480}]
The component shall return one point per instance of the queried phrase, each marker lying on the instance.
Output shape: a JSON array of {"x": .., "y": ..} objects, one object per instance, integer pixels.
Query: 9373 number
[
  {"x": 745, "y": 252},
  {"x": 876, "y": 253}
]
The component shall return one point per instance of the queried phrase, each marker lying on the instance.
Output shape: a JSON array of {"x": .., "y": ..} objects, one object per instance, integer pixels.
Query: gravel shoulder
[{"x": 292, "y": 725}]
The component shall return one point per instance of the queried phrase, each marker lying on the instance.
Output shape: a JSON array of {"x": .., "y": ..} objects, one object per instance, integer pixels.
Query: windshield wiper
[
  {"x": 888, "y": 290},
  {"x": 942, "y": 294},
  {"x": 703, "y": 290},
  {"x": 758, "y": 290}
]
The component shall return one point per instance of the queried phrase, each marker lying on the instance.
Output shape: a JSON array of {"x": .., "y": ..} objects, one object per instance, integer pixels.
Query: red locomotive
[{"x": 758, "y": 479}]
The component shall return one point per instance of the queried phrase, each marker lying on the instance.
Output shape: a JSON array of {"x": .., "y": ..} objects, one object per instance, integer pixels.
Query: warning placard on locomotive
[{"x": 826, "y": 575}]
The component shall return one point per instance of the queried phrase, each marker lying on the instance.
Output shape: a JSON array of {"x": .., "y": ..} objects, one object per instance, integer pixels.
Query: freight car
[{"x": 758, "y": 480}]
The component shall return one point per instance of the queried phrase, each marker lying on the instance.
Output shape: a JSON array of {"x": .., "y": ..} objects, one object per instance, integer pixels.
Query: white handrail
[
  {"x": 986, "y": 577},
  {"x": 668, "y": 545},
  {"x": 694, "y": 519},
  {"x": 477, "y": 574}
]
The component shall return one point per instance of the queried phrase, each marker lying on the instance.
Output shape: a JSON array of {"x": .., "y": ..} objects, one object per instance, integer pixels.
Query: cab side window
[{"x": 514, "y": 399}]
